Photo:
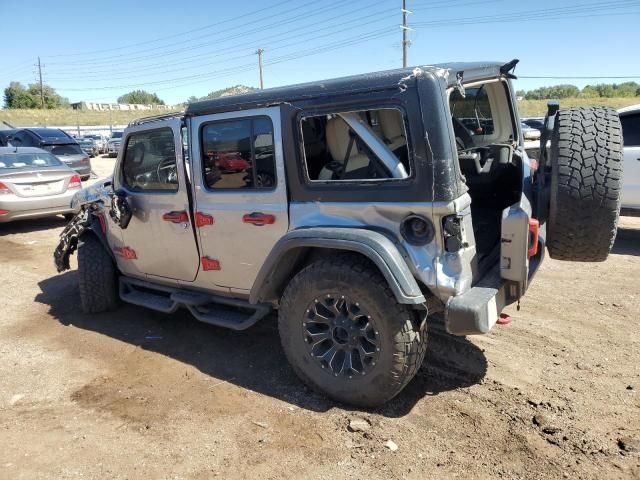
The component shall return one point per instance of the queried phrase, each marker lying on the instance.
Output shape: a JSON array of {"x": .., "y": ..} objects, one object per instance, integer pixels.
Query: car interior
[
  {"x": 150, "y": 161},
  {"x": 486, "y": 141},
  {"x": 334, "y": 151}
]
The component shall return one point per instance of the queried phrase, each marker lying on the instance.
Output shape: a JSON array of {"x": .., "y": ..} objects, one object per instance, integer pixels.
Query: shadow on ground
[
  {"x": 451, "y": 362},
  {"x": 627, "y": 242},
  {"x": 36, "y": 225}
]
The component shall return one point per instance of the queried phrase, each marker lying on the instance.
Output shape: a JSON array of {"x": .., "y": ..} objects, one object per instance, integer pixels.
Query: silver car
[
  {"x": 113, "y": 145},
  {"x": 34, "y": 183},
  {"x": 72, "y": 155}
]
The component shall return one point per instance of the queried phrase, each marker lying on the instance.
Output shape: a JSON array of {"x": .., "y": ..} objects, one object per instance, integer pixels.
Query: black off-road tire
[
  {"x": 401, "y": 331},
  {"x": 586, "y": 181},
  {"x": 97, "y": 276}
]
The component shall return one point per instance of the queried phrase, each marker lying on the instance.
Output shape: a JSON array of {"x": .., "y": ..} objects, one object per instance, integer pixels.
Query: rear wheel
[
  {"x": 345, "y": 335},
  {"x": 586, "y": 181},
  {"x": 97, "y": 276}
]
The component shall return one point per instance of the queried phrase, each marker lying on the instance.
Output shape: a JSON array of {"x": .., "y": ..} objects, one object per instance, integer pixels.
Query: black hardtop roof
[{"x": 352, "y": 84}]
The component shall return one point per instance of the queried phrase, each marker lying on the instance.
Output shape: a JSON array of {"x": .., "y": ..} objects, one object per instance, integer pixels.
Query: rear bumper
[
  {"x": 476, "y": 311},
  {"x": 36, "y": 207},
  {"x": 82, "y": 170}
]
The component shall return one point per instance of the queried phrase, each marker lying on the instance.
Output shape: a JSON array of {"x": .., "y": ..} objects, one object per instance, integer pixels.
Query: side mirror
[{"x": 120, "y": 211}]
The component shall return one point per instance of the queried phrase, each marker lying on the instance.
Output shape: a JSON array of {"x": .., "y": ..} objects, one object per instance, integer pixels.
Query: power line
[
  {"x": 146, "y": 42},
  {"x": 176, "y": 82},
  {"x": 378, "y": 17},
  {"x": 130, "y": 56},
  {"x": 533, "y": 14}
]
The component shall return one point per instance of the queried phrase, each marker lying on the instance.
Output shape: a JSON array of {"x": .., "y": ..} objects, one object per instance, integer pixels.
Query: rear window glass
[
  {"x": 68, "y": 149},
  {"x": 354, "y": 146},
  {"x": 631, "y": 129},
  {"x": 473, "y": 111},
  {"x": 49, "y": 133},
  {"x": 28, "y": 160},
  {"x": 116, "y": 135}
]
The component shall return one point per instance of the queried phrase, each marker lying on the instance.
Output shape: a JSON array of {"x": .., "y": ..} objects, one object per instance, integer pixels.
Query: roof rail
[{"x": 154, "y": 118}]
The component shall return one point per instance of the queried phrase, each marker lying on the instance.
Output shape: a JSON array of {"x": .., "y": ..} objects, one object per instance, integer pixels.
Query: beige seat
[
  {"x": 337, "y": 132},
  {"x": 392, "y": 128}
]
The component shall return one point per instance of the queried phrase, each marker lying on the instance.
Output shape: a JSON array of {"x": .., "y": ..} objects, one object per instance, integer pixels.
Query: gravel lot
[{"x": 137, "y": 394}]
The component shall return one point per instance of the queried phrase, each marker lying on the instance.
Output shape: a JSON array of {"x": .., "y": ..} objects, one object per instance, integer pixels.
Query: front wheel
[
  {"x": 97, "y": 276},
  {"x": 345, "y": 334}
]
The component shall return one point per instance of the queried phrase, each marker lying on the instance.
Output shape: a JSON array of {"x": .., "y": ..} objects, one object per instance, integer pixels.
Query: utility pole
[
  {"x": 41, "y": 88},
  {"x": 405, "y": 31},
  {"x": 259, "y": 52}
]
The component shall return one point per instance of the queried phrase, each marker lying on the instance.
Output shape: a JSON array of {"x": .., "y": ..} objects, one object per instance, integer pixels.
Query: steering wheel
[{"x": 167, "y": 171}]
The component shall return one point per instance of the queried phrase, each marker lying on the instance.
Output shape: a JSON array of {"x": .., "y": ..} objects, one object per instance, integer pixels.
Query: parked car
[
  {"x": 630, "y": 119},
  {"x": 113, "y": 145},
  {"x": 34, "y": 183},
  {"x": 99, "y": 141},
  {"x": 57, "y": 142},
  {"x": 88, "y": 146},
  {"x": 380, "y": 210},
  {"x": 534, "y": 122},
  {"x": 530, "y": 133}
]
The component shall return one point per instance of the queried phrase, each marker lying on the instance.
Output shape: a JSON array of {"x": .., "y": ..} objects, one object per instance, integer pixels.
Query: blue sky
[{"x": 98, "y": 51}]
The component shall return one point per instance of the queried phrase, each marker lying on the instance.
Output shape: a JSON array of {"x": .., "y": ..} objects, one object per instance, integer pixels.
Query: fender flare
[
  {"x": 96, "y": 230},
  {"x": 378, "y": 248}
]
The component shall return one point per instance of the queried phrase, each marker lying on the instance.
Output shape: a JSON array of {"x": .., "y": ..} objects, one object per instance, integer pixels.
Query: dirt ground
[{"x": 137, "y": 394}]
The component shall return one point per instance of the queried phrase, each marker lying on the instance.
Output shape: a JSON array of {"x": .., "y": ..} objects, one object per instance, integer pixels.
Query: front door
[
  {"x": 159, "y": 240},
  {"x": 240, "y": 194}
]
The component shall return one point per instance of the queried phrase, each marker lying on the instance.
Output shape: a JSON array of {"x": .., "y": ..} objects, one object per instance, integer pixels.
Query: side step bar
[{"x": 213, "y": 309}]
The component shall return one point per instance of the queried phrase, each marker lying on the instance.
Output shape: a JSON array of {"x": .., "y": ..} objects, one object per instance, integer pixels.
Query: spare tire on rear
[{"x": 586, "y": 180}]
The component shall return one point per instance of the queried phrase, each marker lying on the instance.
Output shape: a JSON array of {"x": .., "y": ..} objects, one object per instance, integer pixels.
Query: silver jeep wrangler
[{"x": 355, "y": 208}]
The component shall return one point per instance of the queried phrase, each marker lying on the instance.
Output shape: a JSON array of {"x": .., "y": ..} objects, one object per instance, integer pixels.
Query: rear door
[
  {"x": 240, "y": 194},
  {"x": 631, "y": 169},
  {"x": 159, "y": 241}
]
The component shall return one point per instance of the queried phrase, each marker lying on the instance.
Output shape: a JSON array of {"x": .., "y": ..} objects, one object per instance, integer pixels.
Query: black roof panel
[{"x": 355, "y": 83}]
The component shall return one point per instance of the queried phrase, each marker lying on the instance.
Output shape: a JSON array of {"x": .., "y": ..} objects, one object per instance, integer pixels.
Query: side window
[
  {"x": 238, "y": 154},
  {"x": 472, "y": 113},
  {"x": 150, "y": 161},
  {"x": 23, "y": 140},
  {"x": 631, "y": 129},
  {"x": 353, "y": 146}
]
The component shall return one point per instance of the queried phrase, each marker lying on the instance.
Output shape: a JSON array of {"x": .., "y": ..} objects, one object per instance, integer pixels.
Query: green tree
[
  {"x": 556, "y": 91},
  {"x": 140, "y": 97},
  {"x": 17, "y": 96}
]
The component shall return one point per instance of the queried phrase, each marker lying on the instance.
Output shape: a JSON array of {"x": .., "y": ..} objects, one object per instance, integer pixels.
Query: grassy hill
[
  {"x": 538, "y": 108},
  {"x": 67, "y": 117}
]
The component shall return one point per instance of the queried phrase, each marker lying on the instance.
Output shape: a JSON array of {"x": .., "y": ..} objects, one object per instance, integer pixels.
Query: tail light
[
  {"x": 4, "y": 189},
  {"x": 3, "y": 212},
  {"x": 84, "y": 160},
  {"x": 75, "y": 182}
]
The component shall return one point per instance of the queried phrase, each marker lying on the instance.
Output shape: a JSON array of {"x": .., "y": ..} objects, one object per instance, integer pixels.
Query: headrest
[
  {"x": 338, "y": 138},
  {"x": 391, "y": 124}
]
